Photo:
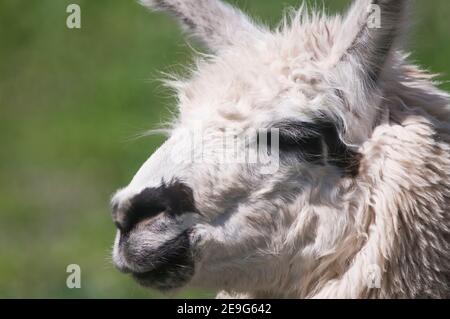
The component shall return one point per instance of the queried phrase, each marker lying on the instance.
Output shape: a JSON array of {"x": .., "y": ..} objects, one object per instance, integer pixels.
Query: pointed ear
[
  {"x": 370, "y": 32},
  {"x": 213, "y": 22}
]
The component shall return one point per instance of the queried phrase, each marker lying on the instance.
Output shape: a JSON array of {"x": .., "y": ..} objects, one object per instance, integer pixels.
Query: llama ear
[
  {"x": 370, "y": 31},
  {"x": 213, "y": 22}
]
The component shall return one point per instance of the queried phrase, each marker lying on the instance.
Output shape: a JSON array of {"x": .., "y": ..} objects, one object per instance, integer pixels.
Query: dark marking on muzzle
[{"x": 174, "y": 198}]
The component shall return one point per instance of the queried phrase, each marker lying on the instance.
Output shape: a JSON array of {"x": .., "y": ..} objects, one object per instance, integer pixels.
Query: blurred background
[{"x": 71, "y": 103}]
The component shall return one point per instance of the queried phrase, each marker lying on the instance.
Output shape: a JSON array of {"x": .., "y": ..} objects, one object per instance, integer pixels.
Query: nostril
[
  {"x": 139, "y": 210},
  {"x": 118, "y": 218},
  {"x": 119, "y": 226},
  {"x": 123, "y": 222},
  {"x": 114, "y": 211}
]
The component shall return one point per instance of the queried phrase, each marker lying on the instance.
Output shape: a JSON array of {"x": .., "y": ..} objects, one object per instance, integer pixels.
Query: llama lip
[
  {"x": 165, "y": 277},
  {"x": 173, "y": 267}
]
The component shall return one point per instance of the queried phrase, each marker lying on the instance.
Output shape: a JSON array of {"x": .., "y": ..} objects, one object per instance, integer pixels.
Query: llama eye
[
  {"x": 301, "y": 138},
  {"x": 317, "y": 142},
  {"x": 310, "y": 148}
]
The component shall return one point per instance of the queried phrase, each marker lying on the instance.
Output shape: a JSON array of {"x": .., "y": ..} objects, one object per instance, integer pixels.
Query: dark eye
[
  {"x": 297, "y": 138},
  {"x": 316, "y": 142}
]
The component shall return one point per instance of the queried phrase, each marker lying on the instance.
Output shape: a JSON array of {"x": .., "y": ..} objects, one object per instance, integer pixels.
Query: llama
[{"x": 358, "y": 206}]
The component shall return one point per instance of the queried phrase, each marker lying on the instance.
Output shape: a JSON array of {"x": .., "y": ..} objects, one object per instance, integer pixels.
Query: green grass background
[{"x": 70, "y": 100}]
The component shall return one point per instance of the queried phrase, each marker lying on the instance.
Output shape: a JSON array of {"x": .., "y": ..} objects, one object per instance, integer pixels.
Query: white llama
[{"x": 359, "y": 204}]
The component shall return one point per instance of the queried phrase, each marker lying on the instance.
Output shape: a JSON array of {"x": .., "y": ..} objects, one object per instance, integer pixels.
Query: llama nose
[
  {"x": 146, "y": 205},
  {"x": 174, "y": 199}
]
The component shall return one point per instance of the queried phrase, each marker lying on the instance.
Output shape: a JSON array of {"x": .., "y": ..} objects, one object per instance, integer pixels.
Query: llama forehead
[{"x": 277, "y": 76}]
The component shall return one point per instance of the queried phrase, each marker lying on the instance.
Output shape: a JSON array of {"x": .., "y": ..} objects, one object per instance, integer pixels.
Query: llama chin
[{"x": 358, "y": 205}]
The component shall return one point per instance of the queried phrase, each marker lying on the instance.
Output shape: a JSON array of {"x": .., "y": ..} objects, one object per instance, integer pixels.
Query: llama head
[{"x": 310, "y": 92}]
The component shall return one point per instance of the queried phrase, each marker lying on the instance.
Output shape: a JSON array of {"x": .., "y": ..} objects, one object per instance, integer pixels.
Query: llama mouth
[
  {"x": 165, "y": 278},
  {"x": 174, "y": 268}
]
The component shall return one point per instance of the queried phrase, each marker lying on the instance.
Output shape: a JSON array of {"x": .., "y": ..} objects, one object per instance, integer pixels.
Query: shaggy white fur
[{"x": 309, "y": 230}]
